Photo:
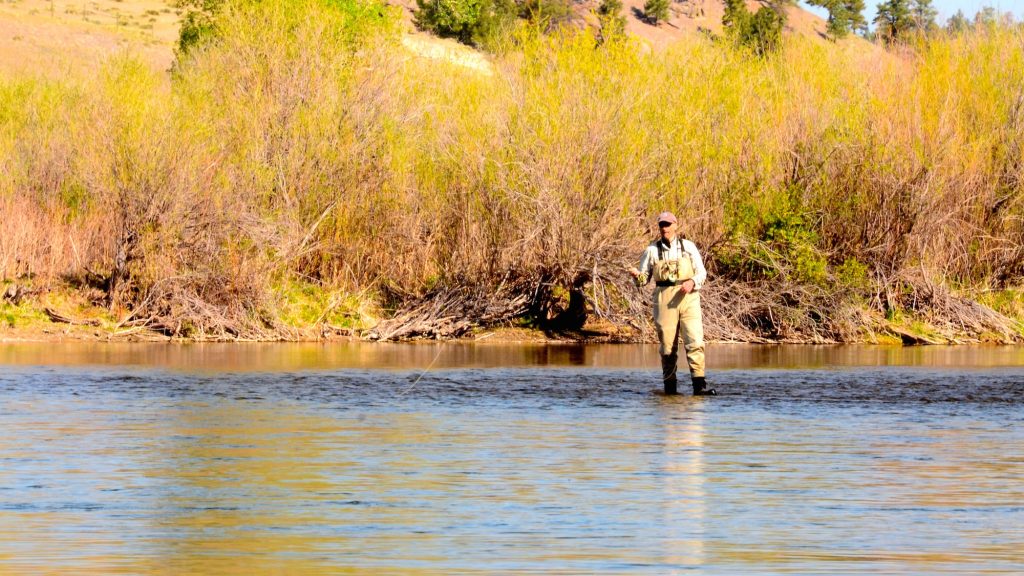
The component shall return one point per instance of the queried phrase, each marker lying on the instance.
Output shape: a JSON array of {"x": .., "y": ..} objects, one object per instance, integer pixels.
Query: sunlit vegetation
[
  {"x": 299, "y": 155},
  {"x": 759, "y": 31}
]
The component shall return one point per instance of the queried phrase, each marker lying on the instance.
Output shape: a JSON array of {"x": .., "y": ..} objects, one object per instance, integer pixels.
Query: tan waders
[
  {"x": 677, "y": 316},
  {"x": 675, "y": 264}
]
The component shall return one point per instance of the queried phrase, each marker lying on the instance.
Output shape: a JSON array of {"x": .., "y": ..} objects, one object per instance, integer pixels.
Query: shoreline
[
  {"x": 67, "y": 315},
  {"x": 57, "y": 333}
]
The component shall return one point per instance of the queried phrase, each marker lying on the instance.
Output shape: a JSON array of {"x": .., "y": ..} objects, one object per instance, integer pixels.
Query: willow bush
[{"x": 304, "y": 146}]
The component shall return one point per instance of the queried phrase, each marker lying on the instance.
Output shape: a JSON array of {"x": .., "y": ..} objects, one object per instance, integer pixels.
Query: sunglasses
[{"x": 664, "y": 224}]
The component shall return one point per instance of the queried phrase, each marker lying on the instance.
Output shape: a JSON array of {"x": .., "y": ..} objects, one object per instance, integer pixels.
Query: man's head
[{"x": 667, "y": 225}]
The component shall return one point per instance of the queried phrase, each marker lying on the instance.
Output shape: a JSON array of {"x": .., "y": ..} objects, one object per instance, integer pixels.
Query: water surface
[{"x": 502, "y": 459}]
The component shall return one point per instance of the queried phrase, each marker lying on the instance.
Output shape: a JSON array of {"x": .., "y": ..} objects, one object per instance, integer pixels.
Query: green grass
[
  {"x": 21, "y": 316},
  {"x": 306, "y": 305},
  {"x": 1009, "y": 302}
]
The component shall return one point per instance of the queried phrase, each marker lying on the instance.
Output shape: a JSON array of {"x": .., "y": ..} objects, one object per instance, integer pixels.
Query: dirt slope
[{"x": 60, "y": 37}]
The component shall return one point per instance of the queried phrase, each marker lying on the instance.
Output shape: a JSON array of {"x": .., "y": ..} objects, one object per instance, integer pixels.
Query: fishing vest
[{"x": 672, "y": 271}]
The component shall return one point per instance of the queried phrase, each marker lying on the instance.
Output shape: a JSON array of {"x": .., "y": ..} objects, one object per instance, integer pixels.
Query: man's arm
[
  {"x": 700, "y": 274},
  {"x": 643, "y": 274}
]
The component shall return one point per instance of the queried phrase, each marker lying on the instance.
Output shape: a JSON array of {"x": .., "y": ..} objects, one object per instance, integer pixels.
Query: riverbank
[
  {"x": 66, "y": 315},
  {"x": 39, "y": 320}
]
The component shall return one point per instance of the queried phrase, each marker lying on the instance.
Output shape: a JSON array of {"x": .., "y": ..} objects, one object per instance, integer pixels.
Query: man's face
[{"x": 667, "y": 229}]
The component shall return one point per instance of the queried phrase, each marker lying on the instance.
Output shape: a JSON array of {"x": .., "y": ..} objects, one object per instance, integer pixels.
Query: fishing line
[{"x": 440, "y": 348}]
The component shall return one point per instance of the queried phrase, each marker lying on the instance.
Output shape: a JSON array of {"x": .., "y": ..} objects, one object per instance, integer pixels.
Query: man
[{"x": 678, "y": 272}]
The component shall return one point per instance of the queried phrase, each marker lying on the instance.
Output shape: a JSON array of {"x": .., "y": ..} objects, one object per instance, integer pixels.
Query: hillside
[
  {"x": 56, "y": 37},
  {"x": 688, "y": 17}
]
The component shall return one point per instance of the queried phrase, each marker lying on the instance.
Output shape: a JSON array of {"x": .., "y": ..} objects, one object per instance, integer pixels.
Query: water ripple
[{"x": 568, "y": 470}]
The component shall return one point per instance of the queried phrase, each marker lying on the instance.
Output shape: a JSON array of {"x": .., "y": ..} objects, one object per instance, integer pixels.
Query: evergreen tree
[
  {"x": 924, "y": 14},
  {"x": 894, "y": 20},
  {"x": 656, "y": 10},
  {"x": 958, "y": 23},
  {"x": 844, "y": 16},
  {"x": 855, "y": 11},
  {"x": 199, "y": 23},
  {"x": 613, "y": 23},
  {"x": 766, "y": 30},
  {"x": 986, "y": 17},
  {"x": 736, "y": 16},
  {"x": 761, "y": 31},
  {"x": 473, "y": 22},
  {"x": 549, "y": 13}
]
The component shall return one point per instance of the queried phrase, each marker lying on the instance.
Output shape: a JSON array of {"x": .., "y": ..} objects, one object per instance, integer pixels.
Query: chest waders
[{"x": 677, "y": 314}]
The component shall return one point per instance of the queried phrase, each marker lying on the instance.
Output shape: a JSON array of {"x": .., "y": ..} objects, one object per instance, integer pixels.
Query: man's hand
[
  {"x": 639, "y": 277},
  {"x": 688, "y": 286}
]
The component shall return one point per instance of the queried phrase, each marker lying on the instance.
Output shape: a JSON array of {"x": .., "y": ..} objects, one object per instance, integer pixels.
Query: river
[{"x": 508, "y": 459}]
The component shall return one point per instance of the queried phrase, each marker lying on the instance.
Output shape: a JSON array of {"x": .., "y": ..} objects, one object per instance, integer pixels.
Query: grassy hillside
[
  {"x": 304, "y": 171},
  {"x": 56, "y": 38}
]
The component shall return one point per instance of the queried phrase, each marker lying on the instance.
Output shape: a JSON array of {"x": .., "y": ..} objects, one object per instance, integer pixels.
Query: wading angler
[{"x": 678, "y": 272}]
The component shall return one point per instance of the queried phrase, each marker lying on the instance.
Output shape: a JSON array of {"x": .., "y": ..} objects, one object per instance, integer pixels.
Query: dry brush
[{"x": 834, "y": 191}]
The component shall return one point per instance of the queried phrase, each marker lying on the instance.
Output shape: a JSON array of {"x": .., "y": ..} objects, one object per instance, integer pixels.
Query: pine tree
[
  {"x": 958, "y": 23},
  {"x": 761, "y": 31},
  {"x": 986, "y": 17},
  {"x": 844, "y": 16},
  {"x": 855, "y": 12},
  {"x": 766, "y": 29},
  {"x": 656, "y": 10},
  {"x": 199, "y": 23},
  {"x": 924, "y": 15},
  {"x": 736, "y": 16},
  {"x": 612, "y": 20},
  {"x": 894, "y": 20},
  {"x": 838, "y": 19},
  {"x": 472, "y": 22}
]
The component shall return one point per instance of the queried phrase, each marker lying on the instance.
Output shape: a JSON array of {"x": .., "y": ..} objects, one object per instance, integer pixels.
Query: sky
[{"x": 946, "y": 8}]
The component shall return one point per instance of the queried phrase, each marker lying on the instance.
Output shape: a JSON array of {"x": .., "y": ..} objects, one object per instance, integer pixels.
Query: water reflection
[
  {"x": 276, "y": 357},
  {"x": 238, "y": 481},
  {"x": 684, "y": 517}
]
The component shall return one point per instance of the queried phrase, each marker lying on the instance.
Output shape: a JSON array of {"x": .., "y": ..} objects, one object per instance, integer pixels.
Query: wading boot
[
  {"x": 668, "y": 374},
  {"x": 700, "y": 387}
]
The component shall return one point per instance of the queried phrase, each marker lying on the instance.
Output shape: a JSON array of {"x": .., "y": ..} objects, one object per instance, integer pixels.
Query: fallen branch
[
  {"x": 61, "y": 319},
  {"x": 451, "y": 313}
]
